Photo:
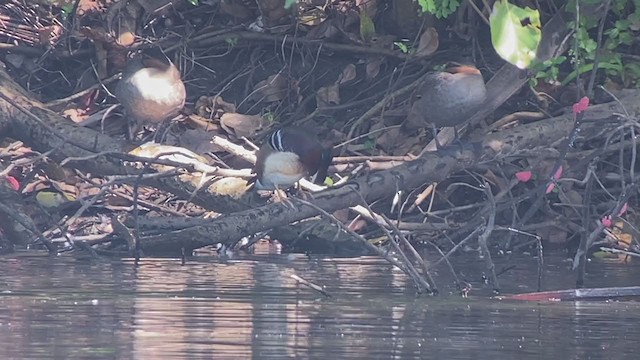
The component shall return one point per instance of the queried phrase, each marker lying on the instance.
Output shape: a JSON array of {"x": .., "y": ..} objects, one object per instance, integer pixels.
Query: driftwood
[{"x": 431, "y": 167}]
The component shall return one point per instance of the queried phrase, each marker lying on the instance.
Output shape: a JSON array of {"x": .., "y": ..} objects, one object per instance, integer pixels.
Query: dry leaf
[
  {"x": 348, "y": 74},
  {"x": 70, "y": 192},
  {"x": 428, "y": 42},
  {"x": 241, "y": 124},
  {"x": 311, "y": 16},
  {"x": 328, "y": 96},
  {"x": 212, "y": 107},
  {"x": 231, "y": 186},
  {"x": 171, "y": 153},
  {"x": 75, "y": 115},
  {"x": 373, "y": 66},
  {"x": 496, "y": 180},
  {"x": 122, "y": 19},
  {"x": 273, "y": 89}
]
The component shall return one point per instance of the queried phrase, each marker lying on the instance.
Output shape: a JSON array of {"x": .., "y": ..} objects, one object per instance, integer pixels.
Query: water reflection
[{"x": 79, "y": 308}]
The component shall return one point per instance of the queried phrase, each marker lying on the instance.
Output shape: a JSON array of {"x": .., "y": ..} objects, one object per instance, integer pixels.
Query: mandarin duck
[
  {"x": 150, "y": 90},
  {"x": 288, "y": 155},
  {"x": 448, "y": 98}
]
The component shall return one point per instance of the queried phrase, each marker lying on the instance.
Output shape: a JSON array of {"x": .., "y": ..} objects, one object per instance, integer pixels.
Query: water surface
[{"x": 79, "y": 308}]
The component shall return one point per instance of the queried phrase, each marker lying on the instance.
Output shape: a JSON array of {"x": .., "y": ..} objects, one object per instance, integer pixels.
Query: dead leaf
[
  {"x": 70, "y": 192},
  {"x": 429, "y": 42},
  {"x": 231, "y": 186},
  {"x": 241, "y": 125},
  {"x": 54, "y": 171},
  {"x": 212, "y": 107},
  {"x": 394, "y": 141},
  {"x": 36, "y": 185},
  {"x": 50, "y": 35},
  {"x": 311, "y": 15},
  {"x": 357, "y": 225},
  {"x": 86, "y": 190},
  {"x": 497, "y": 181},
  {"x": 274, "y": 88},
  {"x": 74, "y": 114},
  {"x": 328, "y": 95},
  {"x": 122, "y": 20},
  {"x": 373, "y": 66},
  {"x": 170, "y": 153},
  {"x": 348, "y": 74}
]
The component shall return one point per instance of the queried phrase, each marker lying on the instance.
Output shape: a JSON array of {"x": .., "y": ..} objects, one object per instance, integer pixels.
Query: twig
[
  {"x": 82, "y": 93},
  {"x": 428, "y": 283},
  {"x": 381, "y": 104},
  {"x": 357, "y": 236},
  {"x": 208, "y": 40},
  {"x": 311, "y": 285},
  {"x": 619, "y": 251},
  {"x": 484, "y": 237}
]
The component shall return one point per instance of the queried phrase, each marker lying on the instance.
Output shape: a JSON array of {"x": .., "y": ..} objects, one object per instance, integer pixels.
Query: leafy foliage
[
  {"x": 618, "y": 41},
  {"x": 439, "y": 8}
]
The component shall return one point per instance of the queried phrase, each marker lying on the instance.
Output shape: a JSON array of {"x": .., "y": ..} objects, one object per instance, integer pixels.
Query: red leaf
[
  {"x": 624, "y": 209},
  {"x": 13, "y": 182},
  {"x": 581, "y": 105},
  {"x": 556, "y": 176},
  {"x": 558, "y": 173},
  {"x": 550, "y": 188},
  {"x": 524, "y": 176}
]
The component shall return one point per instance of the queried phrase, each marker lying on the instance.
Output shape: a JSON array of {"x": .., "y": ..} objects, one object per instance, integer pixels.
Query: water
[{"x": 71, "y": 308}]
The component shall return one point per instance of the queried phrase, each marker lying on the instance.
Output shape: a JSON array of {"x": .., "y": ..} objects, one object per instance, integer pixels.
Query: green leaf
[
  {"x": 367, "y": 29},
  {"x": 289, "y": 3},
  {"x": 515, "y": 33},
  {"x": 402, "y": 46},
  {"x": 439, "y": 8}
]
